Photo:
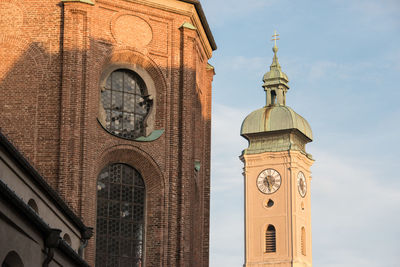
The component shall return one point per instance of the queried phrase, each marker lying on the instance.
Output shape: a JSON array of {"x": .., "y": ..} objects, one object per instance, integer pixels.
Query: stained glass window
[
  {"x": 126, "y": 103},
  {"x": 120, "y": 217}
]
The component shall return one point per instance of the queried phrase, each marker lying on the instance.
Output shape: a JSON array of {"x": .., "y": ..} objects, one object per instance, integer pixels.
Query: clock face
[
  {"x": 269, "y": 181},
  {"x": 302, "y": 184}
]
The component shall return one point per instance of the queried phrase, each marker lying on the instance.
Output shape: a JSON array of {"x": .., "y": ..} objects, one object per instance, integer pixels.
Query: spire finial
[
  {"x": 275, "y": 63},
  {"x": 274, "y": 38},
  {"x": 275, "y": 80}
]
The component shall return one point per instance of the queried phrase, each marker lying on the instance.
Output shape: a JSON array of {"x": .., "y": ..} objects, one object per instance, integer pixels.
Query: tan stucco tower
[{"x": 277, "y": 180}]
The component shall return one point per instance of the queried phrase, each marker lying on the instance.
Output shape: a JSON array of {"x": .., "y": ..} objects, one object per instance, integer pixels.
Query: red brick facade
[{"x": 54, "y": 56}]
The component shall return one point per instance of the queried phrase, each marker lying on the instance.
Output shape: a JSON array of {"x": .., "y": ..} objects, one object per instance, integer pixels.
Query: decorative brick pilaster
[{"x": 74, "y": 111}]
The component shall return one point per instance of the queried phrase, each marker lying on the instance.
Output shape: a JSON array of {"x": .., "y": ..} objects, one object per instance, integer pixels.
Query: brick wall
[{"x": 54, "y": 58}]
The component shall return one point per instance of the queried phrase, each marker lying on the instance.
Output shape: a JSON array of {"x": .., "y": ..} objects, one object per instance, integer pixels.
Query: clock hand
[{"x": 268, "y": 185}]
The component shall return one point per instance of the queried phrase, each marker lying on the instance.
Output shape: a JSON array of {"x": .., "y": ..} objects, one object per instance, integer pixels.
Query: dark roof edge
[
  {"x": 38, "y": 222},
  {"x": 203, "y": 20},
  {"x": 36, "y": 177}
]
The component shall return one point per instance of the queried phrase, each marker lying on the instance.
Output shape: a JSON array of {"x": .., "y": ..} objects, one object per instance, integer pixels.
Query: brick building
[{"x": 110, "y": 101}]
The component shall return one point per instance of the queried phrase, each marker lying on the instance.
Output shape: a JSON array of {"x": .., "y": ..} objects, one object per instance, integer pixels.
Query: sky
[{"x": 342, "y": 58}]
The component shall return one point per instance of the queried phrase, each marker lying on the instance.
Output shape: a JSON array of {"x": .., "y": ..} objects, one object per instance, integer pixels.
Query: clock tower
[{"x": 277, "y": 179}]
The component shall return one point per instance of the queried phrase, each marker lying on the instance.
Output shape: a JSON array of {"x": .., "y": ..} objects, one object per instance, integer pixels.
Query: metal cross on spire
[{"x": 275, "y": 37}]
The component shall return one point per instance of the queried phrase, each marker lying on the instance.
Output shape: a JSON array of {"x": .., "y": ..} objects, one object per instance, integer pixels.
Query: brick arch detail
[
  {"x": 137, "y": 158},
  {"x": 129, "y": 56},
  {"x": 33, "y": 50}
]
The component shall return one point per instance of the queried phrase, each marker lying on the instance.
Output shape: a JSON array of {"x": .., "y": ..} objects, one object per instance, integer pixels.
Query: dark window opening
[
  {"x": 33, "y": 205},
  {"x": 120, "y": 217},
  {"x": 270, "y": 239},
  {"x": 273, "y": 97},
  {"x": 67, "y": 239},
  {"x": 12, "y": 260}
]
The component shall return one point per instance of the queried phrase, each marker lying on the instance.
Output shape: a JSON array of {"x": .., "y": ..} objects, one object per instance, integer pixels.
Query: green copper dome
[{"x": 275, "y": 118}]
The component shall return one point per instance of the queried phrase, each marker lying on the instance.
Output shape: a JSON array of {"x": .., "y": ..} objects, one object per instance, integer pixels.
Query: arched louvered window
[
  {"x": 303, "y": 241},
  {"x": 120, "y": 217},
  {"x": 270, "y": 239}
]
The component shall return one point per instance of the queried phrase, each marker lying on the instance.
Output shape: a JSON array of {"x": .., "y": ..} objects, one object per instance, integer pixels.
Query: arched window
[
  {"x": 120, "y": 216},
  {"x": 12, "y": 260},
  {"x": 303, "y": 241},
  {"x": 67, "y": 239},
  {"x": 126, "y": 104},
  {"x": 273, "y": 97},
  {"x": 270, "y": 239},
  {"x": 33, "y": 205}
]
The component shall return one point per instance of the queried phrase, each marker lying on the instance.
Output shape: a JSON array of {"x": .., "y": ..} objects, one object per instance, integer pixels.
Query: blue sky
[{"x": 343, "y": 62}]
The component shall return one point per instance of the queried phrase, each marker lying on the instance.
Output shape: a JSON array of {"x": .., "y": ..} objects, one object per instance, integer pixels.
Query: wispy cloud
[
  {"x": 351, "y": 205},
  {"x": 227, "y": 146},
  {"x": 317, "y": 71},
  {"x": 220, "y": 11},
  {"x": 243, "y": 63},
  {"x": 227, "y": 187},
  {"x": 393, "y": 59},
  {"x": 378, "y": 15}
]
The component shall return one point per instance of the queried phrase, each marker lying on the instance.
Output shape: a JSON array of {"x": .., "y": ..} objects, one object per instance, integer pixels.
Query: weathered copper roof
[{"x": 275, "y": 118}]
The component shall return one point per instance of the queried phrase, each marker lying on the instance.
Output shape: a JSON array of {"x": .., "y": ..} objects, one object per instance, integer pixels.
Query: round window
[{"x": 126, "y": 104}]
